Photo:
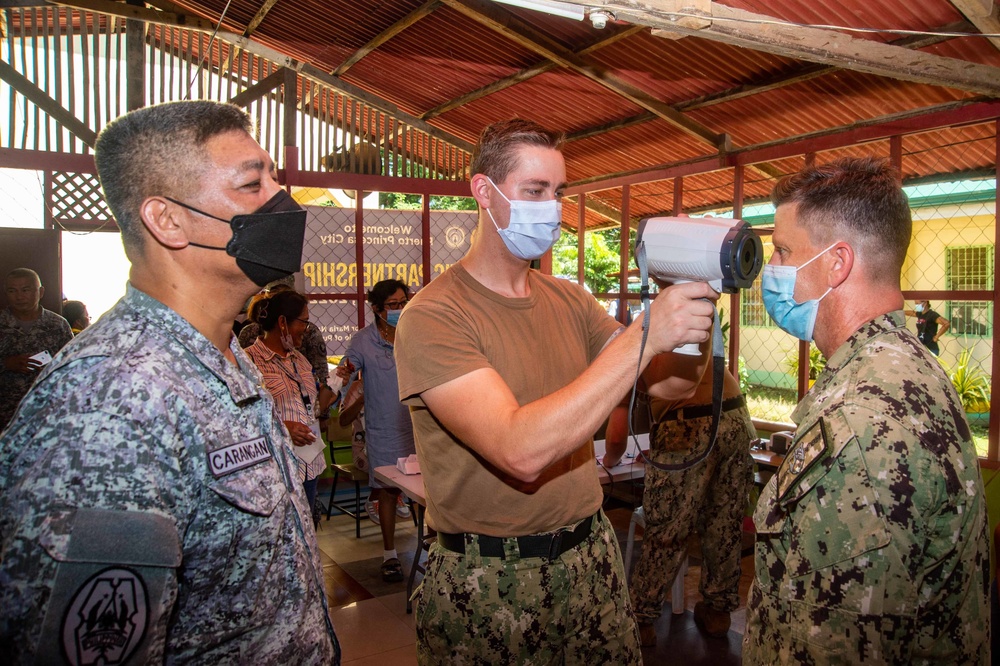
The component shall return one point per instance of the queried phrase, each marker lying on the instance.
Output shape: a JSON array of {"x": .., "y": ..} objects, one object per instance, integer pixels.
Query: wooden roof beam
[
  {"x": 827, "y": 47},
  {"x": 983, "y": 14},
  {"x": 172, "y": 15},
  {"x": 874, "y": 129},
  {"x": 601, "y": 209},
  {"x": 387, "y": 34},
  {"x": 254, "y": 23},
  {"x": 527, "y": 73},
  {"x": 44, "y": 101},
  {"x": 520, "y": 32},
  {"x": 259, "y": 89},
  {"x": 797, "y": 74},
  {"x": 259, "y": 17}
]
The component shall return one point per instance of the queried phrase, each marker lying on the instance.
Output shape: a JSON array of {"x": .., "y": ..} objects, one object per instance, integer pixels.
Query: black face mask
[{"x": 267, "y": 243}]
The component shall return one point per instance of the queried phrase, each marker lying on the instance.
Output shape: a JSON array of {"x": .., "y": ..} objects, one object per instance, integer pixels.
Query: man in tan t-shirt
[{"x": 508, "y": 373}]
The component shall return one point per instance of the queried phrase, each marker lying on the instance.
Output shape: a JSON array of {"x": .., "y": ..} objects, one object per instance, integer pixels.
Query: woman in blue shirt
[{"x": 388, "y": 429}]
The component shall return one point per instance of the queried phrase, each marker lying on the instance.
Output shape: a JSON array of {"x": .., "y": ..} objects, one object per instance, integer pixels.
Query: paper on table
[
  {"x": 309, "y": 452},
  {"x": 408, "y": 465}
]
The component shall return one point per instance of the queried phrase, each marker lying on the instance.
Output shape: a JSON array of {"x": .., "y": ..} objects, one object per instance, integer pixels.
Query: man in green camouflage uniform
[
  {"x": 508, "y": 373},
  {"x": 709, "y": 498},
  {"x": 872, "y": 544},
  {"x": 149, "y": 507}
]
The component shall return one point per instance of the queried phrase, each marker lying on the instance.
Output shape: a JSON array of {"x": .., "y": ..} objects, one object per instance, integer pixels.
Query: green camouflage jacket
[{"x": 872, "y": 536}]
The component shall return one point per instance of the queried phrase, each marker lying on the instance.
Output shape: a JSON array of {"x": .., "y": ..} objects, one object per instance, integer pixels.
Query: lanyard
[{"x": 295, "y": 378}]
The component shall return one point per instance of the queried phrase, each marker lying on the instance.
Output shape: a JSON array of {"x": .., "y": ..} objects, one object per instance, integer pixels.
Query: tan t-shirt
[{"x": 538, "y": 345}]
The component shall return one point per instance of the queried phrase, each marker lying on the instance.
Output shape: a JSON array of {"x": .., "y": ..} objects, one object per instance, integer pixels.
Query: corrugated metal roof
[{"x": 449, "y": 54}]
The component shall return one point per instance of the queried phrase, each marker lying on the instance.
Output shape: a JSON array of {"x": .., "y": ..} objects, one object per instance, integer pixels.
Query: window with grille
[
  {"x": 970, "y": 268},
  {"x": 752, "y": 312}
]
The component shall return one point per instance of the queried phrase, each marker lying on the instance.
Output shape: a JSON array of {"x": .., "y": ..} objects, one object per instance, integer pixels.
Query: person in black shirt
[{"x": 930, "y": 325}]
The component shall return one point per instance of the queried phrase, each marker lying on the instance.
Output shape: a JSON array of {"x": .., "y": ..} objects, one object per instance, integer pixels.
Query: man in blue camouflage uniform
[
  {"x": 872, "y": 544},
  {"x": 149, "y": 508},
  {"x": 26, "y": 329}
]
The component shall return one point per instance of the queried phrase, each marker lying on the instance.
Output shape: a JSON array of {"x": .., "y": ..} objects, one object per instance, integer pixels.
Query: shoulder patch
[
  {"x": 106, "y": 619},
  {"x": 809, "y": 447},
  {"x": 235, "y": 457}
]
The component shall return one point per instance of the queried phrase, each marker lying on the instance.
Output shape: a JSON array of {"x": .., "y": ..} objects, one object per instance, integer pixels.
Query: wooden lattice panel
[{"x": 77, "y": 197}]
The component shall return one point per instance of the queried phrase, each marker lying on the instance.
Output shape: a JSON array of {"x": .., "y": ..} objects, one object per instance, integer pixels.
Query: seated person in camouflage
[
  {"x": 149, "y": 506},
  {"x": 872, "y": 535},
  {"x": 26, "y": 330}
]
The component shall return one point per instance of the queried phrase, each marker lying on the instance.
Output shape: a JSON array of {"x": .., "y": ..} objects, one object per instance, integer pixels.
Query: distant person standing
[
  {"x": 708, "y": 498},
  {"x": 388, "y": 429},
  {"x": 30, "y": 336},
  {"x": 312, "y": 346},
  {"x": 75, "y": 312},
  {"x": 283, "y": 316},
  {"x": 930, "y": 325}
]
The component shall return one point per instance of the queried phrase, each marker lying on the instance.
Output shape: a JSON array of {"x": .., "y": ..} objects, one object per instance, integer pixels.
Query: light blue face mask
[
  {"x": 392, "y": 317},
  {"x": 533, "y": 228},
  {"x": 778, "y": 286}
]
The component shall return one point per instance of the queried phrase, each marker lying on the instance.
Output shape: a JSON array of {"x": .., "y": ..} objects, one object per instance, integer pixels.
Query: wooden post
[{"x": 135, "y": 61}]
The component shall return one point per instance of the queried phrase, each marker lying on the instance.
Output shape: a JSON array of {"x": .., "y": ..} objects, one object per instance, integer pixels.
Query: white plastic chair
[{"x": 677, "y": 590}]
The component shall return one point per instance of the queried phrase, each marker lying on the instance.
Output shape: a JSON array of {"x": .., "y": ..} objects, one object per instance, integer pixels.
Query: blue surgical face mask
[
  {"x": 533, "y": 228},
  {"x": 918, "y": 308},
  {"x": 778, "y": 287},
  {"x": 392, "y": 317}
]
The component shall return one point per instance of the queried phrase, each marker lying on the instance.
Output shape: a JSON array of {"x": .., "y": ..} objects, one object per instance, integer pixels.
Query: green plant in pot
[{"x": 971, "y": 383}]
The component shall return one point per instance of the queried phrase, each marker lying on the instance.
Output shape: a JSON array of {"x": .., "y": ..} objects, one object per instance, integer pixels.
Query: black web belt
[
  {"x": 701, "y": 411},
  {"x": 549, "y": 546}
]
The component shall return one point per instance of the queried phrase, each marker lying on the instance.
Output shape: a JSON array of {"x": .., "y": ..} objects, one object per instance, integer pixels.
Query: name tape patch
[{"x": 238, "y": 456}]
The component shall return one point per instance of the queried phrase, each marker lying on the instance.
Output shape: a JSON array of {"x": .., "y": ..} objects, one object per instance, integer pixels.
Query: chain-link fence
[
  {"x": 950, "y": 263},
  {"x": 391, "y": 248},
  {"x": 951, "y": 252}
]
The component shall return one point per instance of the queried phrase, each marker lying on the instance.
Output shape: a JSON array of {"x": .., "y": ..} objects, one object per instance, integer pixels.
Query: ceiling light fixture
[
  {"x": 600, "y": 17},
  {"x": 564, "y": 9}
]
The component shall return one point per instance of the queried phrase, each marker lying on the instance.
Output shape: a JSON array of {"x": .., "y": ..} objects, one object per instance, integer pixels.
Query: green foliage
[
  {"x": 601, "y": 258},
  {"x": 816, "y": 363},
  {"x": 744, "y": 375},
  {"x": 970, "y": 382},
  {"x": 742, "y": 372},
  {"x": 410, "y": 169},
  {"x": 397, "y": 201},
  {"x": 770, "y": 404}
]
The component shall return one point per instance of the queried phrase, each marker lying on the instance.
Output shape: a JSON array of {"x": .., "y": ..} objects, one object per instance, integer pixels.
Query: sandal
[{"x": 392, "y": 571}]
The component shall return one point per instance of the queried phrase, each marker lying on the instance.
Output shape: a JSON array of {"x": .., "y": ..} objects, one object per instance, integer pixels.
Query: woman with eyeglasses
[
  {"x": 288, "y": 377},
  {"x": 388, "y": 430}
]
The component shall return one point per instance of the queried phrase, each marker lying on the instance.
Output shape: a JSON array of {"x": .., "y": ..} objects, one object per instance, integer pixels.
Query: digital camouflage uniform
[
  {"x": 149, "y": 510},
  {"x": 871, "y": 537},
  {"x": 494, "y": 611},
  {"x": 50, "y": 332},
  {"x": 710, "y": 497}
]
